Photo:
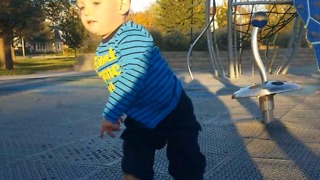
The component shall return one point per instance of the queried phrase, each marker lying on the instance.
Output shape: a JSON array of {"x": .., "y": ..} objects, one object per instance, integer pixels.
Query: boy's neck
[
  {"x": 120, "y": 22},
  {"x": 106, "y": 38}
]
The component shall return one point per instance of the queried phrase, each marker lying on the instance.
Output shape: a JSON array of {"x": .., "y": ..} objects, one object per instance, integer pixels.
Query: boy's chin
[{"x": 96, "y": 33}]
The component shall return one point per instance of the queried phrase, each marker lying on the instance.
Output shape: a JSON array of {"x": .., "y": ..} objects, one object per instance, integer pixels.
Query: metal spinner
[{"x": 267, "y": 89}]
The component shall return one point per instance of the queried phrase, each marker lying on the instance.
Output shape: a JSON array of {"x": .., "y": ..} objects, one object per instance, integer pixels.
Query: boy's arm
[
  {"x": 109, "y": 127},
  {"x": 135, "y": 53}
]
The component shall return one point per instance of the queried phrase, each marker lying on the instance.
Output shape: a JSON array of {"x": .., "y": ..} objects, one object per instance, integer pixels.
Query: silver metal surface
[
  {"x": 267, "y": 107},
  {"x": 257, "y": 58},
  {"x": 268, "y": 88}
]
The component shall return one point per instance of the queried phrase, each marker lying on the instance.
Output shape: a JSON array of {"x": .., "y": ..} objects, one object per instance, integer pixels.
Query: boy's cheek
[{"x": 83, "y": 21}]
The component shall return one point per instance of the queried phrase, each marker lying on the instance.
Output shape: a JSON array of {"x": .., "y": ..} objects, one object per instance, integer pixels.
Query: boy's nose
[{"x": 88, "y": 11}]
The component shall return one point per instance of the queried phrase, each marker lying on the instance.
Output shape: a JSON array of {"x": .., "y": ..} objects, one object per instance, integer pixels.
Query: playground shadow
[
  {"x": 232, "y": 154},
  {"x": 220, "y": 140},
  {"x": 297, "y": 152},
  {"x": 300, "y": 150},
  {"x": 10, "y": 87}
]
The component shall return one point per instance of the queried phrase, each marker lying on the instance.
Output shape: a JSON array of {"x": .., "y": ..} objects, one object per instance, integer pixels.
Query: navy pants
[{"x": 179, "y": 131}]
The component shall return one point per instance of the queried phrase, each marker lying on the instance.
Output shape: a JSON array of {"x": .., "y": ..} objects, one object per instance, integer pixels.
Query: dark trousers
[{"x": 179, "y": 131}]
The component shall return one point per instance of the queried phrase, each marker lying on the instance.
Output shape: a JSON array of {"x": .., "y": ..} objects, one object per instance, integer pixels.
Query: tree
[
  {"x": 15, "y": 15},
  {"x": 180, "y": 15},
  {"x": 222, "y": 15},
  {"x": 43, "y": 33},
  {"x": 74, "y": 32},
  {"x": 35, "y": 30},
  {"x": 61, "y": 14},
  {"x": 280, "y": 17},
  {"x": 56, "y": 10},
  {"x": 146, "y": 18}
]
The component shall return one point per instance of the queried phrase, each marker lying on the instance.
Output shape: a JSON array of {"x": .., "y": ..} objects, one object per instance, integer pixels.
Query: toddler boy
[{"x": 142, "y": 86}]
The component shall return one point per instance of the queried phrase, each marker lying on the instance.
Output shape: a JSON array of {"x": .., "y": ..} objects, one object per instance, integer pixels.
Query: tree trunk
[
  {"x": 5, "y": 51},
  {"x": 2, "y": 57},
  {"x": 23, "y": 48}
]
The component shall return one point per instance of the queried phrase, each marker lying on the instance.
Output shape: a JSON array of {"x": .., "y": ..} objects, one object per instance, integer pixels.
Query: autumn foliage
[{"x": 144, "y": 18}]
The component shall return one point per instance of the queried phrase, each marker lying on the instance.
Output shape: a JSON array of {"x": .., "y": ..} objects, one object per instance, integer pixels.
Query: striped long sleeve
[{"x": 140, "y": 82}]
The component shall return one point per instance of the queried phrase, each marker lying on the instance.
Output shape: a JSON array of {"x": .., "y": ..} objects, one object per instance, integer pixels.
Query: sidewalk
[
  {"x": 50, "y": 130},
  {"x": 43, "y": 75}
]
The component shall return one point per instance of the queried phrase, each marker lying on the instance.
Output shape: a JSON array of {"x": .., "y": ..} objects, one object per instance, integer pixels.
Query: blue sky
[{"x": 140, "y": 5}]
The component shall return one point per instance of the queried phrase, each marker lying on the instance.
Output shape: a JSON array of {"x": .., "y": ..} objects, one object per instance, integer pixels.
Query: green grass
[{"x": 23, "y": 66}]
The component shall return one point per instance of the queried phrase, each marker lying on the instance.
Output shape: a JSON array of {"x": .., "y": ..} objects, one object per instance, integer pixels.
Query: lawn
[{"x": 23, "y": 66}]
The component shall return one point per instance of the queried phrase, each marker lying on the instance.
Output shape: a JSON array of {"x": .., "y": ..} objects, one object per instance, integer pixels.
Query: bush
[
  {"x": 283, "y": 39},
  {"x": 68, "y": 52},
  {"x": 221, "y": 38},
  {"x": 305, "y": 43},
  {"x": 157, "y": 38},
  {"x": 90, "y": 44},
  {"x": 202, "y": 44},
  {"x": 176, "y": 41}
]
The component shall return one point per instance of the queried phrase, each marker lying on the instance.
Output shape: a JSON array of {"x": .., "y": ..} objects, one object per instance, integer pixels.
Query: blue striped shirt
[{"x": 140, "y": 82}]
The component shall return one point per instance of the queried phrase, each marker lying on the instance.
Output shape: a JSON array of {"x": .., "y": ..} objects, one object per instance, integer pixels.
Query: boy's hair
[{"x": 74, "y": 2}]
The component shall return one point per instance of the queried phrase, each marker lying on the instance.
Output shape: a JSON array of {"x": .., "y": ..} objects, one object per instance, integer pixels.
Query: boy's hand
[{"x": 108, "y": 127}]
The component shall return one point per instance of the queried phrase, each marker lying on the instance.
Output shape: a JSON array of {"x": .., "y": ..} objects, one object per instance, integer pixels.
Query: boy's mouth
[{"x": 90, "y": 22}]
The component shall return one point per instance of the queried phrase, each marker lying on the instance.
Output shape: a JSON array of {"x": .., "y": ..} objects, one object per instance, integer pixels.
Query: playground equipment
[
  {"x": 213, "y": 49},
  {"x": 239, "y": 28},
  {"x": 267, "y": 89},
  {"x": 309, "y": 11}
]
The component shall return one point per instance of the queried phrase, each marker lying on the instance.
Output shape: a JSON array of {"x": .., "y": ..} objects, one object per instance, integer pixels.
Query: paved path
[{"x": 49, "y": 129}]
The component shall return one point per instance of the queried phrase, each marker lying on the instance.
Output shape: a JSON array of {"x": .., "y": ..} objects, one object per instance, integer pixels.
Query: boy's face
[{"x": 102, "y": 17}]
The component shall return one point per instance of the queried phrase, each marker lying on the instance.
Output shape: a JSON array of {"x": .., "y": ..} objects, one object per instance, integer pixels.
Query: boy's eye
[
  {"x": 96, "y": 3},
  {"x": 79, "y": 6}
]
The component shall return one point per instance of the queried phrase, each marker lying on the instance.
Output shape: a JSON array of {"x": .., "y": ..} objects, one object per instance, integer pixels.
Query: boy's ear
[{"x": 124, "y": 6}]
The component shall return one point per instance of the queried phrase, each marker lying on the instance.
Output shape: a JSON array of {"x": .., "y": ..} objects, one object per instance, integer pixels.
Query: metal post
[
  {"x": 256, "y": 54},
  {"x": 266, "y": 107},
  {"x": 230, "y": 41}
]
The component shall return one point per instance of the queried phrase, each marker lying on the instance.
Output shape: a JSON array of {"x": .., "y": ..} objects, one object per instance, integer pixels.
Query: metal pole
[
  {"x": 256, "y": 54},
  {"x": 230, "y": 42},
  {"x": 191, "y": 22},
  {"x": 267, "y": 107}
]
